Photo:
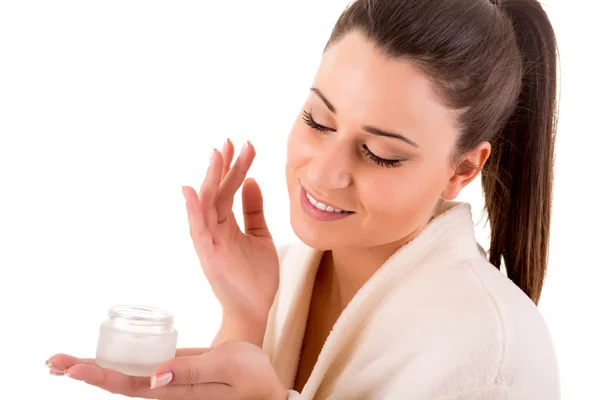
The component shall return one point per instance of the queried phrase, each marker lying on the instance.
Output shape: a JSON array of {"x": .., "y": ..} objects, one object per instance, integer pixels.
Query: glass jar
[{"x": 136, "y": 339}]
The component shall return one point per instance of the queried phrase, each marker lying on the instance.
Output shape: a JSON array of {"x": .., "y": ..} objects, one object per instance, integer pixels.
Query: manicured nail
[
  {"x": 212, "y": 156},
  {"x": 161, "y": 380},
  {"x": 53, "y": 369},
  {"x": 68, "y": 374},
  {"x": 225, "y": 144},
  {"x": 55, "y": 372}
]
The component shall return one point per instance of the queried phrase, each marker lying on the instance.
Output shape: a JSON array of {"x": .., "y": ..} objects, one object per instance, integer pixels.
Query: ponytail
[{"x": 517, "y": 179}]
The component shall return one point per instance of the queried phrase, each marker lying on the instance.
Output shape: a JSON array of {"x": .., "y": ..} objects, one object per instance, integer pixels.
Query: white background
[{"x": 108, "y": 107}]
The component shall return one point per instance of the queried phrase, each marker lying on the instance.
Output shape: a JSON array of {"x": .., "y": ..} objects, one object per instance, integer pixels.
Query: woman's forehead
[{"x": 370, "y": 88}]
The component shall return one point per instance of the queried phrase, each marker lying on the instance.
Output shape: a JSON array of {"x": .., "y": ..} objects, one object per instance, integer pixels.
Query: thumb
[
  {"x": 252, "y": 204},
  {"x": 186, "y": 371}
]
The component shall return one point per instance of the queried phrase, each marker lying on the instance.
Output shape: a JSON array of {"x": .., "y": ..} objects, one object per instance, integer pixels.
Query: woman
[{"x": 388, "y": 295}]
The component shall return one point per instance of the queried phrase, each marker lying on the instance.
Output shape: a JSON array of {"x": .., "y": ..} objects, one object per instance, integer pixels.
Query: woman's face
[{"x": 372, "y": 139}]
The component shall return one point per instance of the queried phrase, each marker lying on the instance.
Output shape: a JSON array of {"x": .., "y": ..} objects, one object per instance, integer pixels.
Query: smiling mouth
[{"x": 324, "y": 206}]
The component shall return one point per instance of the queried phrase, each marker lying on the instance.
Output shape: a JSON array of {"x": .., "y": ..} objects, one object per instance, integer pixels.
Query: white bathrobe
[{"x": 436, "y": 321}]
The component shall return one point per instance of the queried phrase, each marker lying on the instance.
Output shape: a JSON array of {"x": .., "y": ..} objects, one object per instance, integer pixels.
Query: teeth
[{"x": 321, "y": 206}]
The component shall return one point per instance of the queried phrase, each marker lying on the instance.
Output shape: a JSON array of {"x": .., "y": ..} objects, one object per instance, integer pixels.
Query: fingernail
[
  {"x": 55, "y": 372},
  {"x": 245, "y": 146},
  {"x": 68, "y": 374},
  {"x": 53, "y": 369},
  {"x": 225, "y": 144},
  {"x": 161, "y": 380}
]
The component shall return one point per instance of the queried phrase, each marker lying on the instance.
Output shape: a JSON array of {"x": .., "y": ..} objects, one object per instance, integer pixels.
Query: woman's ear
[{"x": 467, "y": 168}]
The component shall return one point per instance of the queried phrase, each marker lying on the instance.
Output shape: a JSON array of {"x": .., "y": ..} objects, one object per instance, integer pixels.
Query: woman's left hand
[{"x": 233, "y": 370}]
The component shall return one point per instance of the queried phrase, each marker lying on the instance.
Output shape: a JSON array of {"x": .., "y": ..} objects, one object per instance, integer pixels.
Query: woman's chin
[{"x": 316, "y": 237}]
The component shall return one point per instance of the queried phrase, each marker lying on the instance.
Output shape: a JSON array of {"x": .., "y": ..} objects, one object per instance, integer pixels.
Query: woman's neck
[
  {"x": 343, "y": 271},
  {"x": 348, "y": 269}
]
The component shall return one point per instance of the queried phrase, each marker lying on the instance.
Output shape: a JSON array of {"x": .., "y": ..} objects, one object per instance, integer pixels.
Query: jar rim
[{"x": 140, "y": 314}]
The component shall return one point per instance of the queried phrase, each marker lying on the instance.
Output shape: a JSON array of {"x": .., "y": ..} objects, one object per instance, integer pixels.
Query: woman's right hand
[{"x": 241, "y": 267}]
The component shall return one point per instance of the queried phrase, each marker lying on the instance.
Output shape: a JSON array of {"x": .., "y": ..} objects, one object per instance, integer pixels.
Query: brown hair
[{"x": 497, "y": 65}]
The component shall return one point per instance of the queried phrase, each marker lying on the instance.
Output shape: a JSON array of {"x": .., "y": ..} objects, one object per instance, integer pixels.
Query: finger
[
  {"x": 199, "y": 232},
  {"x": 111, "y": 380},
  {"x": 191, "y": 351},
  {"x": 62, "y": 362},
  {"x": 209, "y": 191},
  {"x": 182, "y": 371},
  {"x": 233, "y": 181},
  {"x": 131, "y": 386},
  {"x": 252, "y": 204},
  {"x": 141, "y": 387},
  {"x": 55, "y": 372},
  {"x": 227, "y": 151},
  {"x": 200, "y": 206}
]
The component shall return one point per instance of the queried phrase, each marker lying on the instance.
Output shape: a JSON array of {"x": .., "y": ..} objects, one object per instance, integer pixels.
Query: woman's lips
[{"x": 317, "y": 213}]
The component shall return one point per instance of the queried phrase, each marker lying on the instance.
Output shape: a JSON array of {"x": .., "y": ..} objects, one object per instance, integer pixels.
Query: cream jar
[{"x": 136, "y": 339}]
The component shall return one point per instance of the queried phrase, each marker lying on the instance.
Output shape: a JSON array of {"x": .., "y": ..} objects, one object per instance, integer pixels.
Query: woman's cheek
[
  {"x": 301, "y": 143},
  {"x": 403, "y": 193}
]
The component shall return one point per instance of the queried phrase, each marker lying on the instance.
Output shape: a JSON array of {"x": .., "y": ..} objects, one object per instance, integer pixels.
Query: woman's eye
[
  {"x": 384, "y": 162},
  {"x": 308, "y": 119}
]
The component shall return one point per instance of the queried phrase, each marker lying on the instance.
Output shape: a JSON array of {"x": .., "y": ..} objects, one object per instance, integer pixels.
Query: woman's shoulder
[
  {"x": 483, "y": 291},
  {"x": 527, "y": 347},
  {"x": 502, "y": 295},
  {"x": 470, "y": 319}
]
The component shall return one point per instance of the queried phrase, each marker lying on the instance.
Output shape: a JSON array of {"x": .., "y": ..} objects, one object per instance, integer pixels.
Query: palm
[
  {"x": 241, "y": 267},
  {"x": 233, "y": 370},
  {"x": 241, "y": 271}
]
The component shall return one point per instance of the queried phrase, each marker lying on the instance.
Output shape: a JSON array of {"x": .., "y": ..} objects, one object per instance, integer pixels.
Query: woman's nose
[{"x": 330, "y": 168}]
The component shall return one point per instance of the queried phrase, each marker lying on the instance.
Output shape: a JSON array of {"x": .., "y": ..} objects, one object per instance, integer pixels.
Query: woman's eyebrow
[{"x": 367, "y": 128}]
